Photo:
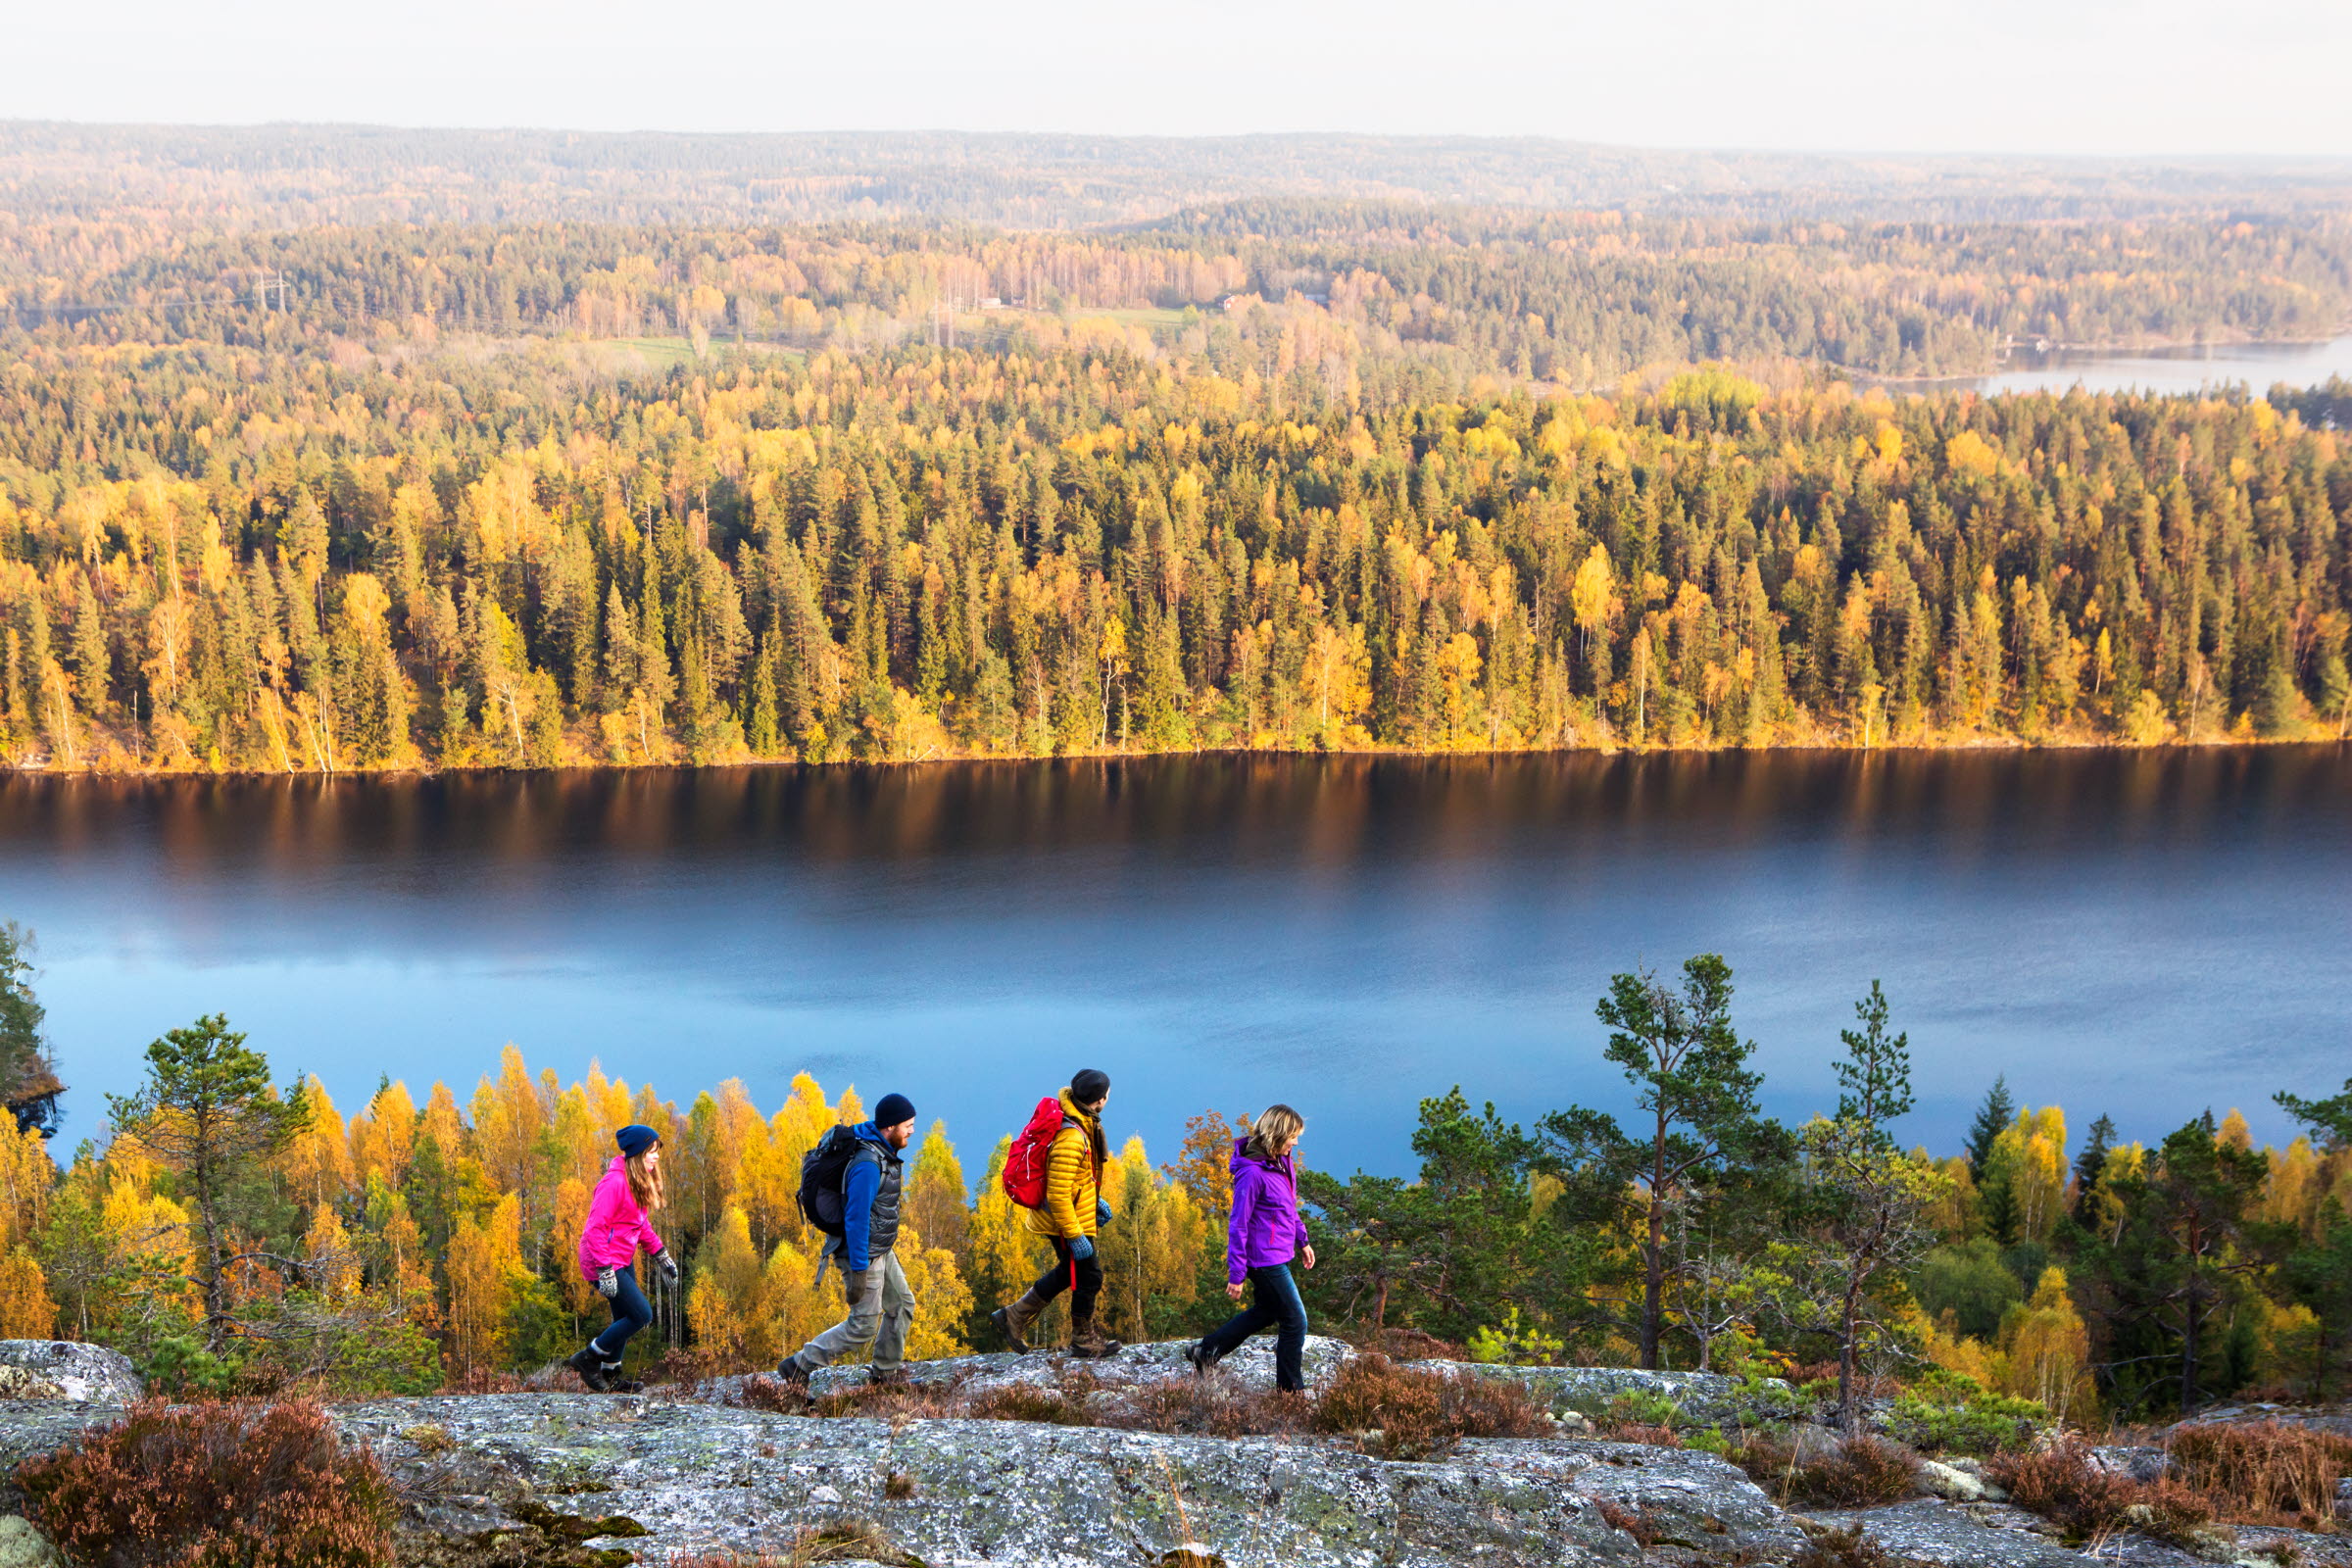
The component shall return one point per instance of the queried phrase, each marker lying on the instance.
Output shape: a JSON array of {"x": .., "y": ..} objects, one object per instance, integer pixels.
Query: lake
[
  {"x": 2140, "y": 933},
  {"x": 2190, "y": 368}
]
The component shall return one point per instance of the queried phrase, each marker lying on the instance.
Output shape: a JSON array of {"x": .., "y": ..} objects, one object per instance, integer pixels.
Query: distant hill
[{"x": 293, "y": 176}]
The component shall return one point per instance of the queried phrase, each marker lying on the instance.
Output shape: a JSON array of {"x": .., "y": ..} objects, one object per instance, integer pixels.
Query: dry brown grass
[
  {"x": 2263, "y": 1472},
  {"x": 2271, "y": 1474}
]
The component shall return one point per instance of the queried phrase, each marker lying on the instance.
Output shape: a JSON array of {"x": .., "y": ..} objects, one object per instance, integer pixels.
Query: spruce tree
[
  {"x": 1995, "y": 1114},
  {"x": 1874, "y": 1080}
]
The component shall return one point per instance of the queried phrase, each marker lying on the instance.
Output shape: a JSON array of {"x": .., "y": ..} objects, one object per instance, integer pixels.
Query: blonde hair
[
  {"x": 1276, "y": 1129},
  {"x": 645, "y": 1181}
]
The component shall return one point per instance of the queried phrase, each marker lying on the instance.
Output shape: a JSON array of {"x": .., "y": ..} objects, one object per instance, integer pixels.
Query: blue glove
[
  {"x": 1101, "y": 1212},
  {"x": 1082, "y": 1248}
]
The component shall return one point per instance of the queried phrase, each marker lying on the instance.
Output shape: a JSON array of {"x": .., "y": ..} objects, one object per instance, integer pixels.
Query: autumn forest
[{"x": 558, "y": 466}]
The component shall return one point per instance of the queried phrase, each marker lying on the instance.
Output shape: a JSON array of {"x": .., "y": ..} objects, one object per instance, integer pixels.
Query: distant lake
[
  {"x": 2143, "y": 934},
  {"x": 2192, "y": 368}
]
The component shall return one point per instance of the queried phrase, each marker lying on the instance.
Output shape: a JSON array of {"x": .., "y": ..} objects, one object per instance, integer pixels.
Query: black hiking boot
[
  {"x": 794, "y": 1378},
  {"x": 591, "y": 1368},
  {"x": 1203, "y": 1357}
]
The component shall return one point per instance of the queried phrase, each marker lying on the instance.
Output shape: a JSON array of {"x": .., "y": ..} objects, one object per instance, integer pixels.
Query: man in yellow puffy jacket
[{"x": 1071, "y": 1216}]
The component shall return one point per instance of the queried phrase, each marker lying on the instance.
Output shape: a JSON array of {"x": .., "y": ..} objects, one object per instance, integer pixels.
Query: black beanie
[
  {"x": 1088, "y": 1085},
  {"x": 893, "y": 1109}
]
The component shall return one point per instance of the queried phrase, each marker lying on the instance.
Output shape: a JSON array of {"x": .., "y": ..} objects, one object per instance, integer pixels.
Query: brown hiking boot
[
  {"x": 1013, "y": 1321},
  {"x": 1090, "y": 1343}
]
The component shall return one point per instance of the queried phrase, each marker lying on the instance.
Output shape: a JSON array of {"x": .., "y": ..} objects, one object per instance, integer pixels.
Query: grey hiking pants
[{"x": 881, "y": 1318}]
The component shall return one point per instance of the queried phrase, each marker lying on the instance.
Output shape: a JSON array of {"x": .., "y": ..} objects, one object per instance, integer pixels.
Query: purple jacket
[{"x": 1267, "y": 1229}]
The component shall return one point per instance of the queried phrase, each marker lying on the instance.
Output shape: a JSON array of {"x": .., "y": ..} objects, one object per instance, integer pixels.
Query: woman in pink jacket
[{"x": 617, "y": 1225}]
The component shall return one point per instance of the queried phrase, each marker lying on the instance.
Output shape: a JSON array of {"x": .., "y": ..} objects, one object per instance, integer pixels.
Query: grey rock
[
  {"x": 60, "y": 1369},
  {"x": 697, "y": 1476},
  {"x": 24, "y": 1546},
  {"x": 1253, "y": 1365},
  {"x": 1927, "y": 1530},
  {"x": 1949, "y": 1481},
  {"x": 2133, "y": 1461},
  {"x": 1700, "y": 1398},
  {"x": 2343, "y": 1498}
]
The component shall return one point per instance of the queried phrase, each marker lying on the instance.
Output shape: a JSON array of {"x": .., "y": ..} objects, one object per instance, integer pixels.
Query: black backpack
[{"x": 822, "y": 1169}]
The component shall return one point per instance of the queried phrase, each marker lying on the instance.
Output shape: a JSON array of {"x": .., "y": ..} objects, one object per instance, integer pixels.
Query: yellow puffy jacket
[{"x": 1073, "y": 1176}]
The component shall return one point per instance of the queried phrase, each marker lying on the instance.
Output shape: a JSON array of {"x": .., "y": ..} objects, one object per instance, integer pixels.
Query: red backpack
[{"x": 1025, "y": 1162}]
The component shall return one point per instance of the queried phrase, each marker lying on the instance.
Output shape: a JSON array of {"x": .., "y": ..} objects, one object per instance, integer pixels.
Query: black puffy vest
[{"x": 882, "y": 1230}]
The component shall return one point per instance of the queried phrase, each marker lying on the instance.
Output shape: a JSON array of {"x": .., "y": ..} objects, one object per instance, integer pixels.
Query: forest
[
  {"x": 235, "y": 1233},
  {"x": 609, "y": 464},
  {"x": 929, "y": 553}
]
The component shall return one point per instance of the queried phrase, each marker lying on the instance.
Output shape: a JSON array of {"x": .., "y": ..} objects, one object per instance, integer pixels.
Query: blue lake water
[
  {"x": 2190, "y": 367},
  {"x": 2143, "y": 934}
]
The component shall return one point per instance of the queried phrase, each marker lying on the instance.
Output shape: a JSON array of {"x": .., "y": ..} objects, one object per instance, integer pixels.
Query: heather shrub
[
  {"x": 2067, "y": 1485},
  {"x": 1418, "y": 1413},
  {"x": 1857, "y": 1473},
  {"x": 853, "y": 1541},
  {"x": 228, "y": 1484},
  {"x": 1213, "y": 1408},
  {"x": 1020, "y": 1401},
  {"x": 1842, "y": 1548}
]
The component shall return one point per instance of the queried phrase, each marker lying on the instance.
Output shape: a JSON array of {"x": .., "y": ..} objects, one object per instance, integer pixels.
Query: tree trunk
[
  {"x": 1849, "y": 1416},
  {"x": 1653, "y": 1254}
]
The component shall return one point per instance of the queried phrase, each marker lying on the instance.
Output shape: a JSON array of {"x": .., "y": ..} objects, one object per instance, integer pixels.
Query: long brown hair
[
  {"x": 645, "y": 1181},
  {"x": 1276, "y": 1129}
]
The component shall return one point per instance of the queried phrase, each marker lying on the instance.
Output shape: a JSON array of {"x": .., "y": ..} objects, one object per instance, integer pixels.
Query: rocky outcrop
[
  {"x": 1135, "y": 1366},
  {"x": 667, "y": 1476},
  {"x": 1694, "y": 1399},
  {"x": 24, "y": 1546},
  {"x": 585, "y": 1481},
  {"x": 60, "y": 1369}
]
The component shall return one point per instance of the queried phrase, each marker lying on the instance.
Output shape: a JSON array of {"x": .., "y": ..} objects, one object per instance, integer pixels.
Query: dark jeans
[
  {"x": 630, "y": 1314},
  {"x": 1084, "y": 1281},
  {"x": 1273, "y": 1300}
]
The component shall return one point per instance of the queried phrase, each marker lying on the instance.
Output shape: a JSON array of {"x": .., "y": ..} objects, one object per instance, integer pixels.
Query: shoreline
[
  {"x": 2007, "y": 744},
  {"x": 2158, "y": 348}
]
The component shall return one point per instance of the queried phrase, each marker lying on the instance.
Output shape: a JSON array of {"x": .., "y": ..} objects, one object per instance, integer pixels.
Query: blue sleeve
[{"x": 858, "y": 1186}]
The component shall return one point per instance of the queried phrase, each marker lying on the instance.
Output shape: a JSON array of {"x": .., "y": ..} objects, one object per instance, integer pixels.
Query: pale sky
[{"x": 2193, "y": 76}]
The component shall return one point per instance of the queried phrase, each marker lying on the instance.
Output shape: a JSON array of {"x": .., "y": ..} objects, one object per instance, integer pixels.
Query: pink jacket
[{"x": 616, "y": 1226}]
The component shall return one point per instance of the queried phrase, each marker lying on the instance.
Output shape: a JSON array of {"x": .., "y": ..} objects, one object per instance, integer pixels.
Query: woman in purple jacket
[{"x": 1266, "y": 1233}]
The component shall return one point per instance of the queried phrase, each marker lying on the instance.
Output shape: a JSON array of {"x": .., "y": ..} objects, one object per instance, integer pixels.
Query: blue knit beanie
[
  {"x": 893, "y": 1109},
  {"x": 635, "y": 1140}
]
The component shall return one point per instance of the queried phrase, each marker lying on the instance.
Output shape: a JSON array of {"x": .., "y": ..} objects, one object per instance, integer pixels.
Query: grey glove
[
  {"x": 668, "y": 1266},
  {"x": 1082, "y": 1247},
  {"x": 607, "y": 1284},
  {"x": 1101, "y": 1212}
]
